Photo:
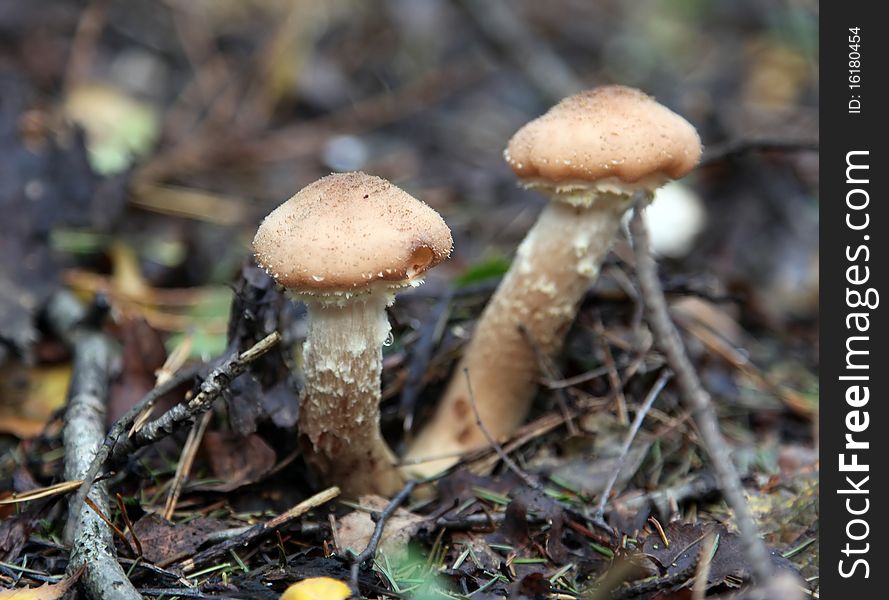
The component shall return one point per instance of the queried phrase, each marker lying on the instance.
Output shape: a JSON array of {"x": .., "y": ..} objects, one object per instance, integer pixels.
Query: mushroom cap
[
  {"x": 612, "y": 133},
  {"x": 349, "y": 231}
]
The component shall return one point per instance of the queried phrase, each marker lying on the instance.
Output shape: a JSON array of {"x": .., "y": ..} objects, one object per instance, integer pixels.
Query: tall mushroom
[
  {"x": 344, "y": 245},
  {"x": 588, "y": 154}
]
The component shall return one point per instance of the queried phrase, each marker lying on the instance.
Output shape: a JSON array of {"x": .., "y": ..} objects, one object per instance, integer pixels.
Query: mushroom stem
[
  {"x": 340, "y": 412},
  {"x": 554, "y": 266}
]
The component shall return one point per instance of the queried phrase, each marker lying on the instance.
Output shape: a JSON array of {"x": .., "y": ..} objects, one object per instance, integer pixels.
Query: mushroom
[
  {"x": 344, "y": 245},
  {"x": 588, "y": 154}
]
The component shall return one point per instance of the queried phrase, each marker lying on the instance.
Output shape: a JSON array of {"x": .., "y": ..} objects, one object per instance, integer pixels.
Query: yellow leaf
[
  {"x": 29, "y": 396},
  {"x": 317, "y": 588},
  {"x": 128, "y": 278},
  {"x": 119, "y": 127}
]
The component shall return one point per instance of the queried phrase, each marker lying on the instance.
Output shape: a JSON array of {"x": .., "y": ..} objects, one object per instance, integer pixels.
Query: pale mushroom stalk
[
  {"x": 342, "y": 364},
  {"x": 344, "y": 245},
  {"x": 553, "y": 268},
  {"x": 589, "y": 155}
]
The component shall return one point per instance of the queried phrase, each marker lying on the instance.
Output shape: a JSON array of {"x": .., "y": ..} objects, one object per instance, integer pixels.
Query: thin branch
[
  {"x": 117, "y": 531},
  {"x": 374, "y": 542},
  {"x": 663, "y": 499},
  {"x": 122, "y": 424},
  {"x": 550, "y": 373},
  {"x": 183, "y": 414},
  {"x": 511, "y": 465},
  {"x": 613, "y": 376},
  {"x": 695, "y": 396},
  {"x": 111, "y": 451},
  {"x": 92, "y": 541},
  {"x": 628, "y": 441},
  {"x": 184, "y": 593},
  {"x": 260, "y": 530},
  {"x": 186, "y": 460},
  {"x": 122, "y": 507},
  {"x": 699, "y": 587}
]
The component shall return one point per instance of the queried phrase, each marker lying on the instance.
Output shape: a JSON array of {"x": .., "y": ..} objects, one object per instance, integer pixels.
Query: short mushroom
[
  {"x": 344, "y": 245},
  {"x": 589, "y": 154}
]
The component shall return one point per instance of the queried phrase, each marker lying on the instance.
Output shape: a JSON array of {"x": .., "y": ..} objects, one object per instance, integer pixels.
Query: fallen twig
[
  {"x": 184, "y": 593},
  {"x": 43, "y": 492},
  {"x": 111, "y": 451},
  {"x": 121, "y": 425},
  {"x": 182, "y": 414},
  {"x": 381, "y": 518},
  {"x": 550, "y": 373},
  {"x": 628, "y": 441},
  {"x": 511, "y": 465},
  {"x": 92, "y": 542},
  {"x": 699, "y": 585},
  {"x": 613, "y": 376},
  {"x": 186, "y": 460},
  {"x": 259, "y": 530},
  {"x": 695, "y": 396},
  {"x": 664, "y": 499}
]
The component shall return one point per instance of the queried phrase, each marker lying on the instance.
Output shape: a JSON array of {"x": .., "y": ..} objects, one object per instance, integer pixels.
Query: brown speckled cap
[
  {"x": 608, "y": 132},
  {"x": 347, "y": 231}
]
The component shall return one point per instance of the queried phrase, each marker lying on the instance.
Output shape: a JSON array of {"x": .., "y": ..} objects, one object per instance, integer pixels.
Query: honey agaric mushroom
[
  {"x": 344, "y": 245},
  {"x": 589, "y": 154}
]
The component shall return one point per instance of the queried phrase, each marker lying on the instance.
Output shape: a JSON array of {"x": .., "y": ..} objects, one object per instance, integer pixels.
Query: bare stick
[
  {"x": 261, "y": 529},
  {"x": 699, "y": 587},
  {"x": 186, "y": 460},
  {"x": 117, "y": 531},
  {"x": 662, "y": 500},
  {"x": 613, "y": 376},
  {"x": 374, "y": 542},
  {"x": 112, "y": 451},
  {"x": 91, "y": 538},
  {"x": 182, "y": 414},
  {"x": 492, "y": 442},
  {"x": 120, "y": 426},
  {"x": 628, "y": 441},
  {"x": 128, "y": 524},
  {"x": 695, "y": 396},
  {"x": 550, "y": 373}
]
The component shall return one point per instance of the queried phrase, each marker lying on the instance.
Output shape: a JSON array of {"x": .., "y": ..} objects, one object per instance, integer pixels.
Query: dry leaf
[
  {"x": 235, "y": 460},
  {"x": 30, "y": 396},
  {"x": 163, "y": 540},
  {"x": 356, "y": 528}
]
